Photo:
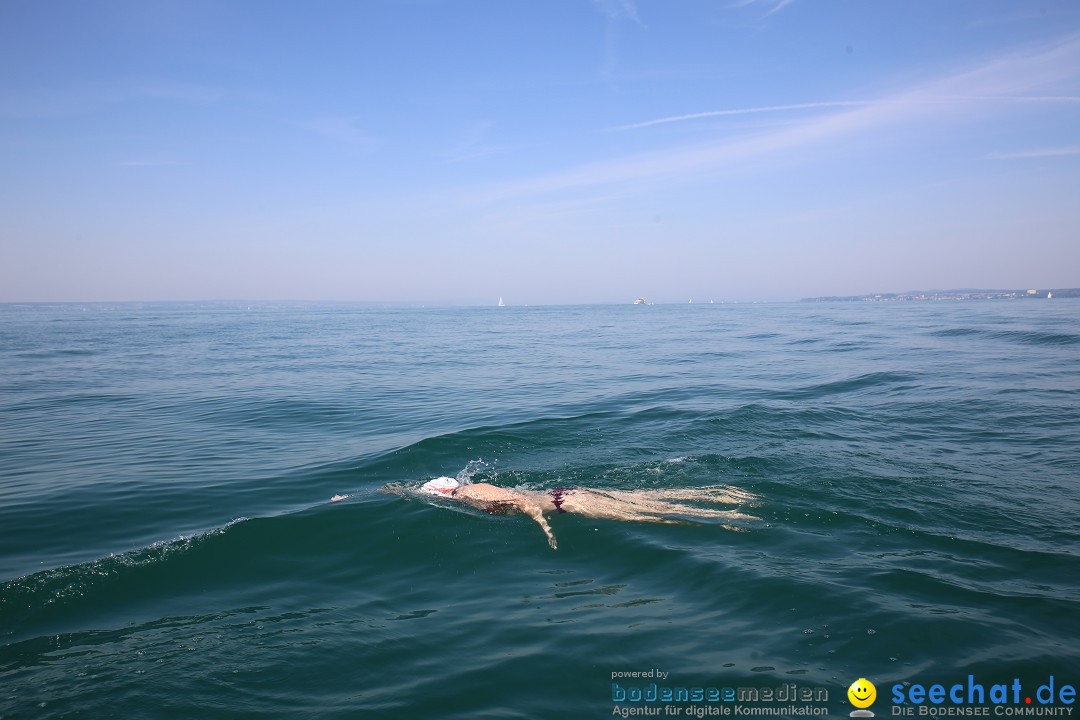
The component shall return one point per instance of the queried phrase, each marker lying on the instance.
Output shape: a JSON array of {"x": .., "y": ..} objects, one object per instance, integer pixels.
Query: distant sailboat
[
  {"x": 501, "y": 303},
  {"x": 1049, "y": 295}
]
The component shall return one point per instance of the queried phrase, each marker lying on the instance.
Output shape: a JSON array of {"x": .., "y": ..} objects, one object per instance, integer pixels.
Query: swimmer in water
[{"x": 641, "y": 505}]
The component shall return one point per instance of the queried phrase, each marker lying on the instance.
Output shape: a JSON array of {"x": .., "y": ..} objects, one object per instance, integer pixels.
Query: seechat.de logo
[{"x": 862, "y": 694}]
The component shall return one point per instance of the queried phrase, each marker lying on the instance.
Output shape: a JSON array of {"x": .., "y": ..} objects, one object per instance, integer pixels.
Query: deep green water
[{"x": 168, "y": 548}]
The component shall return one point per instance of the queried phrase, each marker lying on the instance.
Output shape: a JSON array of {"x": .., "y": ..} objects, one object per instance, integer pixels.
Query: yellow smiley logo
[{"x": 862, "y": 693}]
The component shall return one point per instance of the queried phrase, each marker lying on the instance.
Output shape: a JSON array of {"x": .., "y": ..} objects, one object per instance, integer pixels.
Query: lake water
[{"x": 168, "y": 547}]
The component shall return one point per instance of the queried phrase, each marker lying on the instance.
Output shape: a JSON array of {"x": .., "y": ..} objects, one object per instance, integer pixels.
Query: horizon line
[{"x": 475, "y": 304}]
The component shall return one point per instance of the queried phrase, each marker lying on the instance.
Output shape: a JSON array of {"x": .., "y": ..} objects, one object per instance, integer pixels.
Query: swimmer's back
[{"x": 486, "y": 493}]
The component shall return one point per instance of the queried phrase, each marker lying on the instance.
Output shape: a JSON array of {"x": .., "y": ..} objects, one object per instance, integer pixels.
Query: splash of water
[{"x": 472, "y": 469}]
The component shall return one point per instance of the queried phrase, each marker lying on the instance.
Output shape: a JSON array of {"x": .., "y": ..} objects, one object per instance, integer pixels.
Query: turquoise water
[{"x": 168, "y": 548}]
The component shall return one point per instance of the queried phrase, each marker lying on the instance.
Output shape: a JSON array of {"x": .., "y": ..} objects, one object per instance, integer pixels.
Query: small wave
[
  {"x": 869, "y": 381},
  {"x": 850, "y": 346},
  {"x": 955, "y": 332},
  {"x": 271, "y": 412},
  {"x": 68, "y": 582},
  {"x": 1023, "y": 337},
  {"x": 1037, "y": 338},
  {"x": 57, "y": 353}
]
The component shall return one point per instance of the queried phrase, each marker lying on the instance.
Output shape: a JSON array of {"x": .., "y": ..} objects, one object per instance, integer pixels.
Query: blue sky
[{"x": 555, "y": 151}]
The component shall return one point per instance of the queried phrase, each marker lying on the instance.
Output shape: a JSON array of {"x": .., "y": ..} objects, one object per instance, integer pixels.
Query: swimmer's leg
[
  {"x": 609, "y": 507},
  {"x": 641, "y": 505},
  {"x": 709, "y": 493}
]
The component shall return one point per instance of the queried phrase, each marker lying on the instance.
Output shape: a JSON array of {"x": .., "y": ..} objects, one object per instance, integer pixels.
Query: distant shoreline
[{"x": 953, "y": 295}]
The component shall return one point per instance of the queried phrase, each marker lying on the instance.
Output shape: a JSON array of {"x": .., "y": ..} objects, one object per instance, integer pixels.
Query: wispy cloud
[
  {"x": 473, "y": 144},
  {"x": 826, "y": 104},
  {"x": 616, "y": 11},
  {"x": 1018, "y": 77},
  {"x": 774, "y": 6},
  {"x": 146, "y": 162},
  {"x": 344, "y": 129},
  {"x": 742, "y": 111},
  {"x": 183, "y": 92},
  {"x": 1021, "y": 99},
  {"x": 620, "y": 9},
  {"x": 1027, "y": 14},
  {"x": 74, "y": 100},
  {"x": 631, "y": 11},
  {"x": 1039, "y": 153},
  {"x": 779, "y": 6}
]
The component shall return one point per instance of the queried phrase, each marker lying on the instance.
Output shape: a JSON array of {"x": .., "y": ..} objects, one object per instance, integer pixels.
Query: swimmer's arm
[
  {"x": 482, "y": 494},
  {"x": 533, "y": 510}
]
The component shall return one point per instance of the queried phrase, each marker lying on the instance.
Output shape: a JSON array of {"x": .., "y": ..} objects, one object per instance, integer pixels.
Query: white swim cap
[{"x": 440, "y": 486}]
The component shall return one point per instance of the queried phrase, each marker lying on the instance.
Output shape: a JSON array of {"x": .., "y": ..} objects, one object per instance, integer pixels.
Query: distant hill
[{"x": 953, "y": 295}]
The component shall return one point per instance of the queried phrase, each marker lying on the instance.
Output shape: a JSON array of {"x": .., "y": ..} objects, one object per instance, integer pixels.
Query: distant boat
[
  {"x": 501, "y": 303},
  {"x": 691, "y": 301},
  {"x": 639, "y": 301},
  {"x": 1049, "y": 295}
]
